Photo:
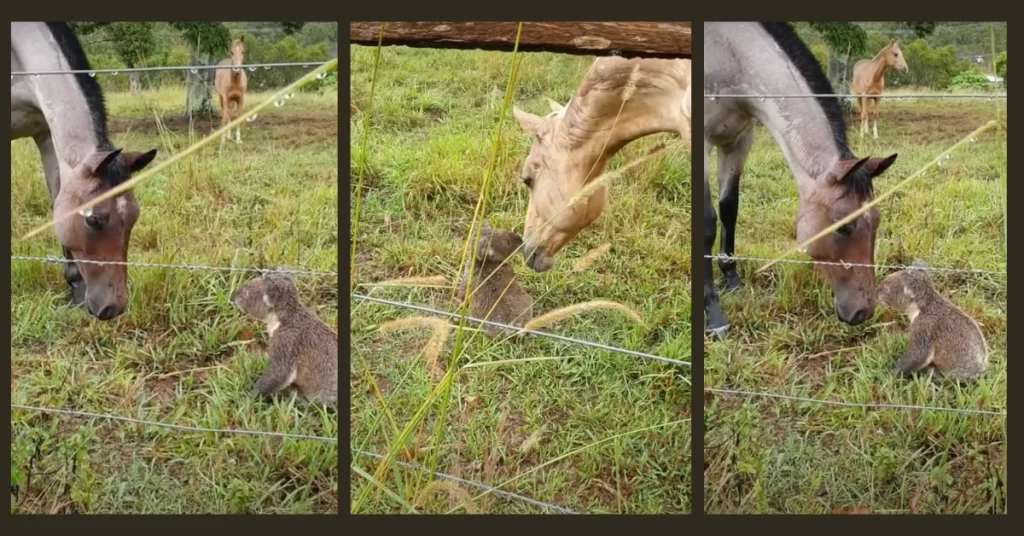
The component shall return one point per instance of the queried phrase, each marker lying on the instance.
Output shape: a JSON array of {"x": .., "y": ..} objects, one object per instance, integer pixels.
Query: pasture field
[
  {"x": 766, "y": 455},
  {"x": 588, "y": 430},
  {"x": 181, "y": 354}
]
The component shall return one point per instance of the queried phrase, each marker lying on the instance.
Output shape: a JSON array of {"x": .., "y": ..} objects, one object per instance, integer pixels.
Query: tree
[
  {"x": 205, "y": 41},
  {"x": 1001, "y": 67},
  {"x": 844, "y": 39},
  {"x": 132, "y": 41},
  {"x": 921, "y": 29}
]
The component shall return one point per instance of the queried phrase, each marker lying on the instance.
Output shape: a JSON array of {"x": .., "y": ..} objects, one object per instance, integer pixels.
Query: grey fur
[
  {"x": 515, "y": 307},
  {"x": 941, "y": 335},
  {"x": 303, "y": 350}
]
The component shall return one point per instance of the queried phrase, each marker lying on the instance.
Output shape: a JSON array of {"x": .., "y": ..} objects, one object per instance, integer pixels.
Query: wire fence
[
  {"x": 188, "y": 267},
  {"x": 985, "y": 96},
  {"x": 235, "y": 431},
  {"x": 849, "y": 265},
  {"x": 478, "y": 485},
  {"x": 582, "y": 342},
  {"x": 191, "y": 68}
]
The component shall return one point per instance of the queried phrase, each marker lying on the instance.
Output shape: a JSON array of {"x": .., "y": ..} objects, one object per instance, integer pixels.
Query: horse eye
[
  {"x": 845, "y": 230},
  {"x": 94, "y": 222}
]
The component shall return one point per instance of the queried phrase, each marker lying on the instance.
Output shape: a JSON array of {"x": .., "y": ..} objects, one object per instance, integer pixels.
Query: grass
[
  {"x": 181, "y": 354},
  {"x": 585, "y": 429},
  {"x": 765, "y": 455}
]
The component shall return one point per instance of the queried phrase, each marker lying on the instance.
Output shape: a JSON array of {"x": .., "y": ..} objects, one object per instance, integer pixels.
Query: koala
[
  {"x": 493, "y": 280},
  {"x": 303, "y": 350},
  {"x": 941, "y": 335}
]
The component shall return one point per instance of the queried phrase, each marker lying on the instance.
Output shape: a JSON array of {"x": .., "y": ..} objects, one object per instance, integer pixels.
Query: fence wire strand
[
  {"x": 582, "y": 342},
  {"x": 478, "y": 485},
  {"x": 714, "y": 96},
  {"x": 158, "y": 424},
  {"x": 866, "y": 405},
  {"x": 854, "y": 264},
  {"x": 188, "y": 267},
  {"x": 193, "y": 68}
]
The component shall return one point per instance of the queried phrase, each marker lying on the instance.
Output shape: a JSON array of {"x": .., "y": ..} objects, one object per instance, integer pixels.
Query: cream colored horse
[
  {"x": 231, "y": 85},
  {"x": 869, "y": 79},
  {"x": 573, "y": 143}
]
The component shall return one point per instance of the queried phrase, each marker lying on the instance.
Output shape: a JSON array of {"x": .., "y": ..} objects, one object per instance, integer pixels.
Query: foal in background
[
  {"x": 869, "y": 79},
  {"x": 231, "y": 85}
]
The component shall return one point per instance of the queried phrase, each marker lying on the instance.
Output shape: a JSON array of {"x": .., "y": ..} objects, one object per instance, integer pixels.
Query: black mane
[
  {"x": 72, "y": 50},
  {"x": 807, "y": 65}
]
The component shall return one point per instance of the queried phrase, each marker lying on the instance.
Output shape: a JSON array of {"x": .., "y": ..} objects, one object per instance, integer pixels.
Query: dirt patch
[{"x": 271, "y": 127}]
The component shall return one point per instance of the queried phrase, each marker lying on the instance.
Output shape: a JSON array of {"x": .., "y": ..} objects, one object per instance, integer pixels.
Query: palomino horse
[
  {"x": 231, "y": 85},
  {"x": 66, "y": 117},
  {"x": 869, "y": 79},
  {"x": 573, "y": 143},
  {"x": 768, "y": 58}
]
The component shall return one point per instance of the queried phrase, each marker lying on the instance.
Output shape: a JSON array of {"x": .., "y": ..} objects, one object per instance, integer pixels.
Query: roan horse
[
  {"x": 769, "y": 58},
  {"x": 231, "y": 85},
  {"x": 66, "y": 117},
  {"x": 573, "y": 143},
  {"x": 869, "y": 79}
]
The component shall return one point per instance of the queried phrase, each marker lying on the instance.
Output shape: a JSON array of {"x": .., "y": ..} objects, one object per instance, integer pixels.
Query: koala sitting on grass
[
  {"x": 496, "y": 297},
  {"x": 941, "y": 335}
]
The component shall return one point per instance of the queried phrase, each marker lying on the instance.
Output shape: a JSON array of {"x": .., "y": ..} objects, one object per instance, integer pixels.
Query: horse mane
[
  {"x": 72, "y": 51},
  {"x": 808, "y": 67},
  {"x": 885, "y": 48}
]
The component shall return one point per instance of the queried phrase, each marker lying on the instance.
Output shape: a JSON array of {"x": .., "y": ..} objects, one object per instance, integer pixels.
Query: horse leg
[
  {"x": 223, "y": 117},
  {"x": 714, "y": 319},
  {"x": 730, "y": 167},
  {"x": 877, "y": 102},
  {"x": 862, "y": 104},
  {"x": 238, "y": 113},
  {"x": 51, "y": 170}
]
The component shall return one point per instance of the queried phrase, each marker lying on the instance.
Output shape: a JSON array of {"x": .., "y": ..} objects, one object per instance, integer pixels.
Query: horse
[
  {"x": 869, "y": 79},
  {"x": 231, "y": 85},
  {"x": 769, "y": 58},
  {"x": 572, "y": 144},
  {"x": 66, "y": 117}
]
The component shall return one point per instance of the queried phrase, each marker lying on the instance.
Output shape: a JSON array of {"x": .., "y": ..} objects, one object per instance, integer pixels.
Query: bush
[
  {"x": 928, "y": 67},
  {"x": 970, "y": 79},
  {"x": 1001, "y": 66}
]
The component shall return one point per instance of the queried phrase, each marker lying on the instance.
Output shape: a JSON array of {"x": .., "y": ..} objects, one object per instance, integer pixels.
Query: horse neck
[
  {"x": 803, "y": 132},
  {"x": 879, "y": 65},
  {"x": 593, "y": 126},
  {"x": 76, "y": 127}
]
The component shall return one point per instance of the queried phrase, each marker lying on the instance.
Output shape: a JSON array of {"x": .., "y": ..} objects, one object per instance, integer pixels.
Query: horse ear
[
  {"x": 844, "y": 168},
  {"x": 137, "y": 161},
  {"x": 877, "y": 166},
  {"x": 529, "y": 122},
  {"x": 97, "y": 162},
  {"x": 555, "y": 107}
]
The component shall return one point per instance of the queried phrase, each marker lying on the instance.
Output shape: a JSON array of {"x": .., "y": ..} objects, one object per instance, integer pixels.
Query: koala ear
[{"x": 918, "y": 263}]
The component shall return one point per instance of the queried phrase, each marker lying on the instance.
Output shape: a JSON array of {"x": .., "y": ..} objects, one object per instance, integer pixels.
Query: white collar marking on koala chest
[
  {"x": 912, "y": 312},
  {"x": 272, "y": 324}
]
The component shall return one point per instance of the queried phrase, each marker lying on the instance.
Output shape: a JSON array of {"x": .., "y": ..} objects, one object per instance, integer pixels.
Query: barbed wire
[
  {"x": 106, "y": 416},
  {"x": 714, "y": 96},
  {"x": 867, "y": 405},
  {"x": 193, "y": 68},
  {"x": 563, "y": 338},
  {"x": 478, "y": 485},
  {"x": 189, "y": 267},
  {"x": 854, "y": 264}
]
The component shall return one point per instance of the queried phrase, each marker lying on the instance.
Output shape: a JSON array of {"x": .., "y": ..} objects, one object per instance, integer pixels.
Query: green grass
[
  {"x": 432, "y": 124},
  {"x": 772, "y": 456},
  {"x": 181, "y": 354}
]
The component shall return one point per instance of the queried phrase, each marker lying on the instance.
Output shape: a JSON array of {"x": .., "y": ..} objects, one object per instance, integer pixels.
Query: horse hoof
[
  {"x": 718, "y": 332},
  {"x": 732, "y": 282}
]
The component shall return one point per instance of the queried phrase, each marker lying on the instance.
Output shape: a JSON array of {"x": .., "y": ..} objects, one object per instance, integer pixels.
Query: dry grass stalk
[
  {"x": 432, "y": 280},
  {"x": 440, "y": 329},
  {"x": 590, "y": 257},
  {"x": 453, "y": 491},
  {"x": 558, "y": 315}
]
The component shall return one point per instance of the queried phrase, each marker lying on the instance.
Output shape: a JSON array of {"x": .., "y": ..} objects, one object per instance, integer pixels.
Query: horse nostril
[
  {"x": 859, "y": 317},
  {"x": 107, "y": 313}
]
